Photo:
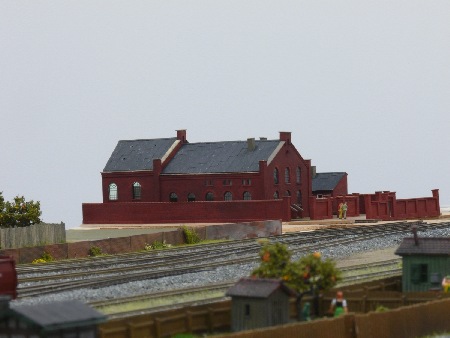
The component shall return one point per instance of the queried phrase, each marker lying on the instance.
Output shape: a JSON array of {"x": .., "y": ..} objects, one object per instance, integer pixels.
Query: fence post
[
  {"x": 189, "y": 321},
  {"x": 350, "y": 326},
  {"x": 364, "y": 304},
  {"x": 210, "y": 320},
  {"x": 158, "y": 328}
]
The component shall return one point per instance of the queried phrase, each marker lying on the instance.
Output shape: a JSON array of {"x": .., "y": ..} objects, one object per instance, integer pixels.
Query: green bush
[
  {"x": 190, "y": 236},
  {"x": 95, "y": 251},
  {"x": 46, "y": 257},
  {"x": 157, "y": 245}
]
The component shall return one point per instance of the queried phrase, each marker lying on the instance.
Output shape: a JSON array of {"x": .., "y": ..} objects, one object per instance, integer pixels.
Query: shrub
[
  {"x": 95, "y": 251},
  {"x": 190, "y": 236},
  {"x": 157, "y": 245},
  {"x": 46, "y": 257},
  {"x": 381, "y": 308}
]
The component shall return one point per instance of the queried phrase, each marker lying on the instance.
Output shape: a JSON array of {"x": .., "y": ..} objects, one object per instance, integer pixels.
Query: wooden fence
[
  {"x": 216, "y": 318},
  {"x": 33, "y": 235}
]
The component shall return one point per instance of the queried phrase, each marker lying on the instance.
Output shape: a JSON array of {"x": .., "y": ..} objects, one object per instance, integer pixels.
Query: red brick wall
[
  {"x": 385, "y": 206},
  {"x": 185, "y": 212},
  {"x": 321, "y": 208}
]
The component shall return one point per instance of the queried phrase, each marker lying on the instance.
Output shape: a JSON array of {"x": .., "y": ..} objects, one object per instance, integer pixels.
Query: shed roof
[
  {"x": 258, "y": 288},
  {"x": 57, "y": 315},
  {"x": 436, "y": 246},
  {"x": 326, "y": 181},
  {"x": 220, "y": 157},
  {"x": 135, "y": 155}
]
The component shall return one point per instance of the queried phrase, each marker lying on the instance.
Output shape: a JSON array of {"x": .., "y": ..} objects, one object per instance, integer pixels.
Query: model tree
[
  {"x": 19, "y": 212},
  {"x": 308, "y": 274}
]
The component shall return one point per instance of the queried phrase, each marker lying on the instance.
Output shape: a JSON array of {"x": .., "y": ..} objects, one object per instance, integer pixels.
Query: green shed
[
  {"x": 259, "y": 302},
  {"x": 426, "y": 261}
]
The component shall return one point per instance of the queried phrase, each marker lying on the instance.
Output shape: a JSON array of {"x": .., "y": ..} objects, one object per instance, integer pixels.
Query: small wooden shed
[
  {"x": 52, "y": 320},
  {"x": 426, "y": 261},
  {"x": 259, "y": 302}
]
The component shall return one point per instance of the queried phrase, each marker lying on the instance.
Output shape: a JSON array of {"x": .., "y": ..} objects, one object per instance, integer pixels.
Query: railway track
[
  {"x": 162, "y": 301},
  {"x": 36, "y": 280}
]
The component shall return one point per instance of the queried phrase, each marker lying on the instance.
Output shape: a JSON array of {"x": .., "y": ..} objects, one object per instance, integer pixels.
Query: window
[
  {"x": 275, "y": 176},
  {"x": 227, "y": 182},
  {"x": 113, "y": 193},
  {"x": 287, "y": 175},
  {"x": 209, "y": 183},
  {"x": 191, "y": 197},
  {"x": 287, "y": 193},
  {"x": 299, "y": 197},
  {"x": 173, "y": 197},
  {"x": 419, "y": 273},
  {"x": 136, "y": 191},
  {"x": 246, "y": 182},
  {"x": 247, "y": 310},
  {"x": 299, "y": 175},
  {"x": 209, "y": 196},
  {"x": 228, "y": 196},
  {"x": 247, "y": 196},
  {"x": 276, "y": 195}
]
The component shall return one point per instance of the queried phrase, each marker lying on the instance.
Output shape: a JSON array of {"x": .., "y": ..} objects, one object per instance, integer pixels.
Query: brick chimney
[
  {"x": 181, "y": 135},
  {"x": 251, "y": 144},
  {"x": 285, "y": 136}
]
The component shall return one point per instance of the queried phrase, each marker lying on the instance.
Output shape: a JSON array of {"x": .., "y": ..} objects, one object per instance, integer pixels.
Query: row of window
[
  {"x": 287, "y": 175},
  {"x": 228, "y": 196}
]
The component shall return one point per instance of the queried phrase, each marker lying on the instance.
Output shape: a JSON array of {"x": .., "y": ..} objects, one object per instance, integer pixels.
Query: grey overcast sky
[{"x": 364, "y": 87}]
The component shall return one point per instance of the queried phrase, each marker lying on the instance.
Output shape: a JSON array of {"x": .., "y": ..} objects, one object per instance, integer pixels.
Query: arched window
[
  {"x": 287, "y": 175},
  {"x": 113, "y": 193},
  {"x": 275, "y": 176},
  {"x": 299, "y": 197},
  {"x": 191, "y": 197},
  {"x": 276, "y": 195},
  {"x": 209, "y": 196},
  {"x": 299, "y": 175},
  {"x": 228, "y": 196},
  {"x": 173, "y": 197},
  {"x": 247, "y": 196},
  {"x": 136, "y": 191},
  {"x": 287, "y": 193}
]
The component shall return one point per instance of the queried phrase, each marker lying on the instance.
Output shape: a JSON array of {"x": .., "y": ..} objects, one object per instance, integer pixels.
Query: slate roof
[
  {"x": 53, "y": 316},
  {"x": 436, "y": 246},
  {"x": 138, "y": 154},
  {"x": 220, "y": 157},
  {"x": 258, "y": 288},
  {"x": 326, "y": 181}
]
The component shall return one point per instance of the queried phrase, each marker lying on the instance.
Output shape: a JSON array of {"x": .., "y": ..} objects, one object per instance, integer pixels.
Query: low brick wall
[{"x": 137, "y": 242}]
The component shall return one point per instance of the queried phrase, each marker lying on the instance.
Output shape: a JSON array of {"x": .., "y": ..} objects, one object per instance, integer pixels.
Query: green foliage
[
  {"x": 309, "y": 271},
  {"x": 19, "y": 213},
  {"x": 46, "y": 257},
  {"x": 381, "y": 308},
  {"x": 157, "y": 245},
  {"x": 95, "y": 251},
  {"x": 190, "y": 235}
]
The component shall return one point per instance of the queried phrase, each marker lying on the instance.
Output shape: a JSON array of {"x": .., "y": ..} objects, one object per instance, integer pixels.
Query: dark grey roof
[
  {"x": 257, "y": 288},
  {"x": 52, "y": 316},
  {"x": 427, "y": 246},
  {"x": 138, "y": 154},
  {"x": 220, "y": 157},
  {"x": 326, "y": 181}
]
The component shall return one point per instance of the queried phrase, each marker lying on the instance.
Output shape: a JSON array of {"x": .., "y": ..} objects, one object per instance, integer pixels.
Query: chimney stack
[
  {"x": 181, "y": 135},
  {"x": 251, "y": 144},
  {"x": 313, "y": 171}
]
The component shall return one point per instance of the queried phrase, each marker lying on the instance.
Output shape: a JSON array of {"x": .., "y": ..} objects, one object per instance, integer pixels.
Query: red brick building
[{"x": 174, "y": 170}]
